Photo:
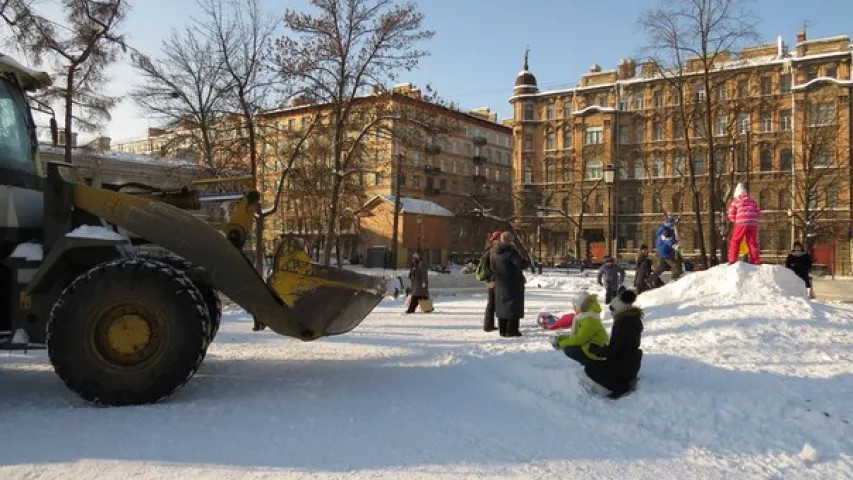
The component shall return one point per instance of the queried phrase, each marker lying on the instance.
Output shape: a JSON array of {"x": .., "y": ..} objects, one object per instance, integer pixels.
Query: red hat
[{"x": 495, "y": 236}]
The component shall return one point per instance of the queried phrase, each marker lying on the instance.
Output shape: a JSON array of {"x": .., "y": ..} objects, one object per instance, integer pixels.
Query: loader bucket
[{"x": 327, "y": 301}]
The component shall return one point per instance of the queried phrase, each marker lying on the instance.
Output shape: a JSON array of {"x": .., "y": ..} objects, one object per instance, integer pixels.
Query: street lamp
[{"x": 609, "y": 177}]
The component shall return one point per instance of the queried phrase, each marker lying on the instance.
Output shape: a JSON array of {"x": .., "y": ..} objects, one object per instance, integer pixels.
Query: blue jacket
[{"x": 665, "y": 248}]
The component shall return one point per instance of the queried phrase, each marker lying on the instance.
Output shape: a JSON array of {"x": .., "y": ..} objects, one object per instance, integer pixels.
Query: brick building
[{"x": 781, "y": 123}]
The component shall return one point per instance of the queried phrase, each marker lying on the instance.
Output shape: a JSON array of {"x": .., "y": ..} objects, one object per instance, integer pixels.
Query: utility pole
[{"x": 397, "y": 205}]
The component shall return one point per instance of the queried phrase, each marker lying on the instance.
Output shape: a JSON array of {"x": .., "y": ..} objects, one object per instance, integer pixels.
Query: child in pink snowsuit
[{"x": 744, "y": 212}]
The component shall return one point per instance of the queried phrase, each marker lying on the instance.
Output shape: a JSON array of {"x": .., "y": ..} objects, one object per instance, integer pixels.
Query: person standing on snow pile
[
  {"x": 587, "y": 330},
  {"x": 622, "y": 355},
  {"x": 507, "y": 267},
  {"x": 744, "y": 212},
  {"x": 643, "y": 270},
  {"x": 419, "y": 275},
  {"x": 800, "y": 262},
  {"x": 614, "y": 277},
  {"x": 484, "y": 274},
  {"x": 665, "y": 243}
]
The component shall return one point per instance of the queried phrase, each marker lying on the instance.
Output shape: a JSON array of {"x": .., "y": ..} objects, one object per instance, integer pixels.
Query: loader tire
[
  {"x": 211, "y": 298},
  {"x": 127, "y": 332}
]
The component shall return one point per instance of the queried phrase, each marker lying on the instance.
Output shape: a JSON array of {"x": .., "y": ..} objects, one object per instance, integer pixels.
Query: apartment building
[{"x": 781, "y": 123}]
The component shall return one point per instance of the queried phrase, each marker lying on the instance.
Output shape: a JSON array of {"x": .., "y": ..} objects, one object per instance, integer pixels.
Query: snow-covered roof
[
  {"x": 593, "y": 107},
  {"x": 119, "y": 156},
  {"x": 416, "y": 206}
]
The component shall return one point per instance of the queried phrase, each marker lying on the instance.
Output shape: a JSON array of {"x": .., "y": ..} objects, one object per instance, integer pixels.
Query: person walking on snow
[
  {"x": 484, "y": 274},
  {"x": 622, "y": 354},
  {"x": 665, "y": 243},
  {"x": 744, "y": 212},
  {"x": 419, "y": 275},
  {"x": 613, "y": 276},
  {"x": 587, "y": 330},
  {"x": 643, "y": 270},
  {"x": 507, "y": 268},
  {"x": 800, "y": 262}
]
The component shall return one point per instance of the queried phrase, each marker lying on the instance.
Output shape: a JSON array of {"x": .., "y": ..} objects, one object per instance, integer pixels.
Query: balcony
[
  {"x": 432, "y": 191},
  {"x": 480, "y": 141},
  {"x": 432, "y": 169},
  {"x": 479, "y": 159},
  {"x": 432, "y": 149}
]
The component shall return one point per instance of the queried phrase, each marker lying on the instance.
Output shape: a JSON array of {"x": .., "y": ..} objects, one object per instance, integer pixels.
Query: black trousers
[
  {"x": 576, "y": 354},
  {"x": 604, "y": 375},
  {"x": 413, "y": 303},
  {"x": 509, "y": 327},
  {"x": 612, "y": 293},
  {"x": 489, "y": 317}
]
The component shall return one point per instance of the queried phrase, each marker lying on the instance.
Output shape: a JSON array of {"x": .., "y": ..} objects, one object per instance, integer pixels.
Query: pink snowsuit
[{"x": 745, "y": 213}]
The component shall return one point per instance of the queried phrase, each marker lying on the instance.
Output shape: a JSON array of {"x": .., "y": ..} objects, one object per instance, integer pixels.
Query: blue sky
[{"x": 479, "y": 45}]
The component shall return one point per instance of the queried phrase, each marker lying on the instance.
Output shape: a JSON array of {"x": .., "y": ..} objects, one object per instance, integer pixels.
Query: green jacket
[{"x": 589, "y": 330}]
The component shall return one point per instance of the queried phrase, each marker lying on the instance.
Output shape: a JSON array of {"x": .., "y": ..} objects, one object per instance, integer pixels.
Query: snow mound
[
  {"x": 29, "y": 251},
  {"x": 561, "y": 281},
  {"x": 740, "y": 280},
  {"x": 92, "y": 231}
]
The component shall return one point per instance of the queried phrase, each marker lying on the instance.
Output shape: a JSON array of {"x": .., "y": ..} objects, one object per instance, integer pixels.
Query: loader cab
[{"x": 18, "y": 143}]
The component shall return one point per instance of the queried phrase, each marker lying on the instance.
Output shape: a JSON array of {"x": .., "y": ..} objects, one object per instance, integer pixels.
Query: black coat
[
  {"x": 508, "y": 274},
  {"x": 800, "y": 264},
  {"x": 622, "y": 356},
  {"x": 643, "y": 272},
  {"x": 419, "y": 275}
]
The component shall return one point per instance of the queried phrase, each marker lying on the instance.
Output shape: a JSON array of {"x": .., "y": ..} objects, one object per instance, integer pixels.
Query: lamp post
[
  {"x": 420, "y": 222},
  {"x": 609, "y": 177}
]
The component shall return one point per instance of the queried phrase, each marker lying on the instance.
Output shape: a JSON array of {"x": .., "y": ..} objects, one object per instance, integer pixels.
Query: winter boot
[
  {"x": 502, "y": 327},
  {"x": 809, "y": 293},
  {"x": 512, "y": 328}
]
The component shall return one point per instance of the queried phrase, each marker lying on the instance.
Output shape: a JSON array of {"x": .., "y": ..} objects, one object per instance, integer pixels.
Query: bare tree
[
  {"x": 341, "y": 51},
  {"x": 80, "y": 52},
  {"x": 695, "y": 36}
]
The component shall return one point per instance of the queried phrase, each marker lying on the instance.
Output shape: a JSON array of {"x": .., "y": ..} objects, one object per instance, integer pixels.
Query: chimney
[
  {"x": 595, "y": 68},
  {"x": 801, "y": 36}
]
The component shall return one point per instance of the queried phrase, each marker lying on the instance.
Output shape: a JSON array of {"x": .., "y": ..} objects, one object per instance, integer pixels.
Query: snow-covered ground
[{"x": 740, "y": 379}]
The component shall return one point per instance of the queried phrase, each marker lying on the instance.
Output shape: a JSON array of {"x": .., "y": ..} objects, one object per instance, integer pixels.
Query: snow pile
[
  {"x": 740, "y": 280},
  {"x": 92, "y": 231},
  {"x": 32, "y": 252},
  {"x": 563, "y": 282}
]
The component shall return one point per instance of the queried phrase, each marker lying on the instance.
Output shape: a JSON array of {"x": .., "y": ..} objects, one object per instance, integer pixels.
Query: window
[
  {"x": 811, "y": 74},
  {"x": 700, "y": 93},
  {"x": 639, "y": 101},
  {"x": 676, "y": 96},
  {"x": 528, "y": 111},
  {"x": 786, "y": 159},
  {"x": 765, "y": 160},
  {"x": 550, "y": 171},
  {"x": 567, "y": 109},
  {"x": 454, "y": 186},
  {"x": 599, "y": 203},
  {"x": 719, "y": 161},
  {"x": 742, "y": 159},
  {"x": 821, "y": 158},
  {"x": 594, "y": 135},
  {"x": 764, "y": 197},
  {"x": 417, "y": 160},
  {"x": 832, "y": 197},
  {"x": 743, "y": 88},
  {"x": 659, "y": 167},
  {"x": 594, "y": 170},
  {"x": 528, "y": 142},
  {"x": 678, "y": 165},
  {"x": 549, "y": 112},
  {"x": 721, "y": 125},
  {"x": 785, "y": 120},
  {"x": 379, "y": 179},
  {"x": 551, "y": 141},
  {"x": 811, "y": 198},
  {"x": 699, "y": 163},
  {"x": 291, "y": 124},
  {"x": 657, "y": 131},
  {"x": 639, "y": 168},
  {"x": 766, "y": 85},
  {"x": 602, "y": 100},
  {"x": 624, "y": 135},
  {"x": 16, "y": 149},
  {"x": 567, "y": 172},
  {"x": 766, "y": 123},
  {"x": 832, "y": 71},
  {"x": 442, "y": 185},
  {"x": 564, "y": 205},
  {"x": 416, "y": 182},
  {"x": 657, "y": 98},
  {"x": 567, "y": 138},
  {"x": 528, "y": 175},
  {"x": 638, "y": 203},
  {"x": 821, "y": 114},
  {"x": 622, "y": 166},
  {"x": 640, "y": 132},
  {"x": 784, "y": 200},
  {"x": 657, "y": 203},
  {"x": 785, "y": 83},
  {"x": 743, "y": 123},
  {"x": 721, "y": 93},
  {"x": 677, "y": 129}
]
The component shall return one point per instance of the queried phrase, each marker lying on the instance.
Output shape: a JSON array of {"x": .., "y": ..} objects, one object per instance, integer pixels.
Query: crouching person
[
  {"x": 622, "y": 356},
  {"x": 587, "y": 331}
]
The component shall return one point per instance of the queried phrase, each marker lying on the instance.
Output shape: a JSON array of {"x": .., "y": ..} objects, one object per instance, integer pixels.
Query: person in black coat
[
  {"x": 622, "y": 355},
  {"x": 800, "y": 262},
  {"x": 419, "y": 275},
  {"x": 489, "y": 316},
  {"x": 643, "y": 270},
  {"x": 508, "y": 273}
]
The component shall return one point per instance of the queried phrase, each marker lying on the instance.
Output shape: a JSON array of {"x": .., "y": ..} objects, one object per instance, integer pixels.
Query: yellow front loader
[{"x": 123, "y": 325}]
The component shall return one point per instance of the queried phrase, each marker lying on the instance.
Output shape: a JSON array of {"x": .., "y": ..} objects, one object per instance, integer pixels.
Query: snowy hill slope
[{"x": 738, "y": 383}]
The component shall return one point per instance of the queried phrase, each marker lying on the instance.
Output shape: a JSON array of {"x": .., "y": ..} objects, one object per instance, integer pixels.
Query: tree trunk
[
  {"x": 337, "y": 182},
  {"x": 712, "y": 171},
  {"x": 69, "y": 111}
]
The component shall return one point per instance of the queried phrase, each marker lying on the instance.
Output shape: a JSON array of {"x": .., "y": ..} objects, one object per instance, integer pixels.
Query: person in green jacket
[{"x": 586, "y": 330}]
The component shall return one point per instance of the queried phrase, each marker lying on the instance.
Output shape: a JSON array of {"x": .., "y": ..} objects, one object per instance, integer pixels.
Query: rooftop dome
[{"x": 525, "y": 82}]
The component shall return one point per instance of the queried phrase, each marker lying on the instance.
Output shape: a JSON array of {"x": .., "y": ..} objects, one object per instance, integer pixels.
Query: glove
[{"x": 555, "y": 342}]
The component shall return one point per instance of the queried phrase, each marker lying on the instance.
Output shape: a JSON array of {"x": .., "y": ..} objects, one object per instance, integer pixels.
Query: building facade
[{"x": 780, "y": 121}]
